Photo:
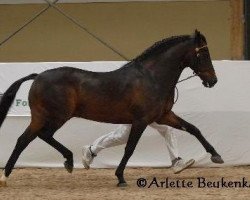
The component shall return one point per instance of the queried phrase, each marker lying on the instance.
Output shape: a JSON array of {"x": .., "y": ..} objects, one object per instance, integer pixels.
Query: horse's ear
[{"x": 197, "y": 36}]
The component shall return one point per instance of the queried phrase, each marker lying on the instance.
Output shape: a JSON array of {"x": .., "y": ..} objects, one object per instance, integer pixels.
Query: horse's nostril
[{"x": 215, "y": 81}]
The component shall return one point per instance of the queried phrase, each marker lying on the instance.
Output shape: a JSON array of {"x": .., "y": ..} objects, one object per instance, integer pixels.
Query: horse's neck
[
  {"x": 167, "y": 72},
  {"x": 167, "y": 68},
  {"x": 169, "y": 77}
]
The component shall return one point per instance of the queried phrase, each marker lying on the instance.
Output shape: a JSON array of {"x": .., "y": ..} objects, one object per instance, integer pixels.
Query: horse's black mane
[{"x": 161, "y": 46}]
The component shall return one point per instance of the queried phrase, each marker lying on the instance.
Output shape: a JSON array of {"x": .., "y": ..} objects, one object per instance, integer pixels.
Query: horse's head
[{"x": 198, "y": 59}]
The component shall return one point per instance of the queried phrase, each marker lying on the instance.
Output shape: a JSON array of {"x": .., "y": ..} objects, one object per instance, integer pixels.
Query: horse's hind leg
[
  {"x": 134, "y": 136},
  {"x": 22, "y": 142},
  {"x": 47, "y": 135},
  {"x": 176, "y": 122}
]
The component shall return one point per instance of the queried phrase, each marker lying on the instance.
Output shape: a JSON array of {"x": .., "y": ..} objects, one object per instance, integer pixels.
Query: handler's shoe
[
  {"x": 178, "y": 164},
  {"x": 87, "y": 156}
]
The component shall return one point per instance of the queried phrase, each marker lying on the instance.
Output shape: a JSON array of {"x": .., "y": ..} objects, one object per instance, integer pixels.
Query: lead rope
[{"x": 177, "y": 91}]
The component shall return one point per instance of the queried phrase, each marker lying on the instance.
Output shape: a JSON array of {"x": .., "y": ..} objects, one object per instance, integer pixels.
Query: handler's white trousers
[{"x": 120, "y": 136}]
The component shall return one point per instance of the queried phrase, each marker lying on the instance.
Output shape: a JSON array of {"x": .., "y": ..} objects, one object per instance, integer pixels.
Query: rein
[
  {"x": 177, "y": 91},
  {"x": 185, "y": 79}
]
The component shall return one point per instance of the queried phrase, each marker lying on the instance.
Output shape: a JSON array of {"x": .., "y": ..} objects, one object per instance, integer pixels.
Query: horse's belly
[{"x": 109, "y": 113}]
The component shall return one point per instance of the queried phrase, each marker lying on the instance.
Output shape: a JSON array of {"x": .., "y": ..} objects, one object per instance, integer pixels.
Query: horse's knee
[
  {"x": 129, "y": 150},
  {"x": 20, "y": 140},
  {"x": 24, "y": 140},
  {"x": 193, "y": 130}
]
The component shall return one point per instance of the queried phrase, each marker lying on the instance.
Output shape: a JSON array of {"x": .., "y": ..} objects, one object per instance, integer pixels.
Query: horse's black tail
[{"x": 9, "y": 96}]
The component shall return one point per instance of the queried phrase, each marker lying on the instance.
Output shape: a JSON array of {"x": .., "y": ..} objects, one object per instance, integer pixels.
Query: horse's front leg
[
  {"x": 134, "y": 136},
  {"x": 174, "y": 121}
]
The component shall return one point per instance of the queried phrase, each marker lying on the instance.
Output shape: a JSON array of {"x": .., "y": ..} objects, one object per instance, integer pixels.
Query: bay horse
[{"x": 139, "y": 93}]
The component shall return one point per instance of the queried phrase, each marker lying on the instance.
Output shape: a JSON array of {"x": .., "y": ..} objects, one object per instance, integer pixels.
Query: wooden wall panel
[
  {"x": 237, "y": 29},
  {"x": 128, "y": 27}
]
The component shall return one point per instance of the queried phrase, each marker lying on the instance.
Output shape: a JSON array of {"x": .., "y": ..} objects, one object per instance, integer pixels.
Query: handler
[{"x": 120, "y": 136}]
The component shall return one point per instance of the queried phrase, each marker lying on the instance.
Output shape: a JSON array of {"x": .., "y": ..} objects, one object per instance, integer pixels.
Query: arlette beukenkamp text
[{"x": 199, "y": 182}]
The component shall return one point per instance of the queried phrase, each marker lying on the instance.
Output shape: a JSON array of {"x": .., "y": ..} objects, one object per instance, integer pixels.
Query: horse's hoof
[
  {"x": 122, "y": 185},
  {"x": 3, "y": 184},
  {"x": 68, "y": 167},
  {"x": 217, "y": 159}
]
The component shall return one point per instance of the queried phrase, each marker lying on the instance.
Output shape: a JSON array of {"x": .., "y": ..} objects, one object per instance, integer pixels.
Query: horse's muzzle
[{"x": 210, "y": 83}]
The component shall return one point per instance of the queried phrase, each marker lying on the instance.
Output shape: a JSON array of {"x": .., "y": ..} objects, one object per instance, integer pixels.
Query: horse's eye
[{"x": 198, "y": 55}]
